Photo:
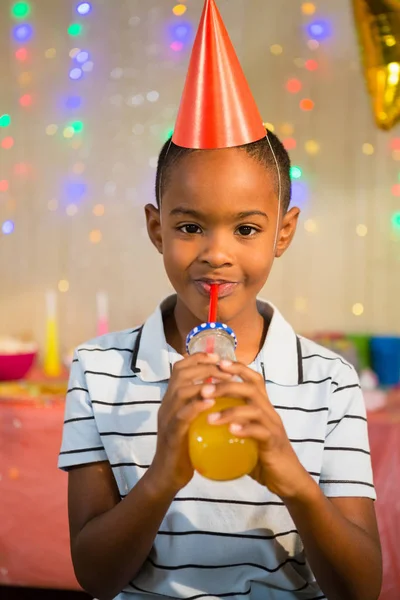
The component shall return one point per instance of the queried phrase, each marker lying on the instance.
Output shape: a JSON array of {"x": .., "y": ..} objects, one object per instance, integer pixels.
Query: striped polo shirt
[{"x": 219, "y": 539}]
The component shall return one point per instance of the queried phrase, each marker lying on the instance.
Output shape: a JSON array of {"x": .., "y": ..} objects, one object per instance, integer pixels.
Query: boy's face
[{"x": 218, "y": 223}]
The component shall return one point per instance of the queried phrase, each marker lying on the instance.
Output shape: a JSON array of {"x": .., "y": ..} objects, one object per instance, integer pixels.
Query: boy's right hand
[{"x": 182, "y": 403}]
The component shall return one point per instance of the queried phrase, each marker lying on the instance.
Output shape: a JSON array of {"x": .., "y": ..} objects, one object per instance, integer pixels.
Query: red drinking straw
[{"x": 212, "y": 315}]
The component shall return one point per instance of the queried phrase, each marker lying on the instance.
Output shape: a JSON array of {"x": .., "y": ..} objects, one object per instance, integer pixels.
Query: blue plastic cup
[{"x": 385, "y": 353}]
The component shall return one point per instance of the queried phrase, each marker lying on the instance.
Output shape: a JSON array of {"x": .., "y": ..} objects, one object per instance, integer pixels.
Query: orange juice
[{"x": 215, "y": 452}]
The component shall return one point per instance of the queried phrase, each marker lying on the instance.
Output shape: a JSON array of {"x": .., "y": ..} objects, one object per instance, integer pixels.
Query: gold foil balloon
[{"x": 378, "y": 25}]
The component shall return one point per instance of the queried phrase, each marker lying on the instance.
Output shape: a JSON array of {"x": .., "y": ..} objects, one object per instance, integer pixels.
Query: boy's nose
[{"x": 216, "y": 251}]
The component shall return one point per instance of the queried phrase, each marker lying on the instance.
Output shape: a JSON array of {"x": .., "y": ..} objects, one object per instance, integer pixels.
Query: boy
[{"x": 142, "y": 522}]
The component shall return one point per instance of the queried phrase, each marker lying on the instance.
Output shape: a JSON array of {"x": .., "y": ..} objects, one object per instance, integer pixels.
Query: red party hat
[{"x": 217, "y": 108}]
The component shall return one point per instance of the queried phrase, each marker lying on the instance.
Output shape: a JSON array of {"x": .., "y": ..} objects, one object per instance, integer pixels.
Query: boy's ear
[
  {"x": 153, "y": 222},
  {"x": 288, "y": 229}
]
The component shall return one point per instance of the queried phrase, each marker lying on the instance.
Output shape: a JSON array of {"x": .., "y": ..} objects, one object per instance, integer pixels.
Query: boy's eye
[
  {"x": 189, "y": 228},
  {"x": 247, "y": 230}
]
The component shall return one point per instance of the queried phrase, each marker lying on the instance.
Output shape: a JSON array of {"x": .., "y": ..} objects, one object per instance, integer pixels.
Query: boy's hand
[
  {"x": 278, "y": 468},
  {"x": 182, "y": 403}
]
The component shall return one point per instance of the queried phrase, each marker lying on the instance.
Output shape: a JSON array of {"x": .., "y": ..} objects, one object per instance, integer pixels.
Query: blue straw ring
[{"x": 210, "y": 327}]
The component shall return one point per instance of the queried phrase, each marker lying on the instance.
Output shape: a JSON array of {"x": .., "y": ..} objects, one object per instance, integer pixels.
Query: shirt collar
[{"x": 280, "y": 356}]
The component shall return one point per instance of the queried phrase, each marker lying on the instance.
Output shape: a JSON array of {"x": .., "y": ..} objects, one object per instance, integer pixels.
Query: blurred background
[{"x": 89, "y": 92}]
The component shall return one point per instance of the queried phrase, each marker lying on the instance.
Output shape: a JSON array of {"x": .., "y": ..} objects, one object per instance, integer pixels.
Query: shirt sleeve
[
  {"x": 81, "y": 442},
  {"x": 346, "y": 465}
]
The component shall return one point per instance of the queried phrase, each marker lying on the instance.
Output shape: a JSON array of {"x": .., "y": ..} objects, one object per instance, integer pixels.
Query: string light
[
  {"x": 361, "y": 230},
  {"x": 289, "y": 143},
  {"x": 319, "y": 30},
  {"x": 306, "y": 104},
  {"x": 25, "y": 100},
  {"x": 295, "y": 172},
  {"x": 20, "y": 10},
  {"x": 179, "y": 10},
  {"x": 84, "y": 8},
  {"x": 293, "y": 86},
  {"x": 7, "y": 143},
  {"x": 358, "y": 309},
  {"x": 396, "y": 221},
  {"x": 5, "y": 120},
  {"x": 21, "y": 54},
  {"x": 23, "y": 33},
  {"x": 368, "y": 149},
  {"x": 311, "y": 65},
  {"x": 276, "y": 49},
  {"x": 63, "y": 285},
  {"x": 8, "y": 227}
]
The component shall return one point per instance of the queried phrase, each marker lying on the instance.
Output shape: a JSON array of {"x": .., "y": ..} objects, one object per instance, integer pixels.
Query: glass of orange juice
[{"x": 215, "y": 452}]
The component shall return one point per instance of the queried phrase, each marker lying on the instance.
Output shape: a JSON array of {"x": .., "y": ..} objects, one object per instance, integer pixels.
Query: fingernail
[
  {"x": 226, "y": 363},
  {"x": 235, "y": 428},
  {"x": 214, "y": 417},
  {"x": 208, "y": 403},
  {"x": 208, "y": 390}
]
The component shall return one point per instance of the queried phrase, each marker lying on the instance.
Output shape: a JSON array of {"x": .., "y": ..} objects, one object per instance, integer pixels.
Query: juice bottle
[{"x": 215, "y": 452}]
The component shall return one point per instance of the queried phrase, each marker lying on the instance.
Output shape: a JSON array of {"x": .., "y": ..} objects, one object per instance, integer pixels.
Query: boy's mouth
[{"x": 225, "y": 288}]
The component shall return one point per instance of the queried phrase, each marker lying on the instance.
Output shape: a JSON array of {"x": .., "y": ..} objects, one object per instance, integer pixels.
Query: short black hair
[{"x": 171, "y": 154}]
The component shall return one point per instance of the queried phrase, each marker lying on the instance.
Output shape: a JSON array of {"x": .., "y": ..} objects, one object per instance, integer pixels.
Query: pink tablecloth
[{"x": 34, "y": 547}]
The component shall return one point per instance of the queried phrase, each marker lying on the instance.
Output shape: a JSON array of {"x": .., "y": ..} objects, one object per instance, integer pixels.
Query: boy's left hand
[{"x": 278, "y": 467}]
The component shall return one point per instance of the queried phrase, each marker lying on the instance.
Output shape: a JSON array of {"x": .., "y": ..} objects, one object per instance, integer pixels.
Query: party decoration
[
  {"x": 217, "y": 108},
  {"x": 52, "y": 362},
  {"x": 378, "y": 25}
]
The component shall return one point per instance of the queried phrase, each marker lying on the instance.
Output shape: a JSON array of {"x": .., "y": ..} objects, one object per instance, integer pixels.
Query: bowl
[{"x": 15, "y": 366}]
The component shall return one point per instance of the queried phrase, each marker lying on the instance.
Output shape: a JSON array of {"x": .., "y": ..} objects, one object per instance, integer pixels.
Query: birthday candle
[
  {"x": 102, "y": 313},
  {"x": 52, "y": 363}
]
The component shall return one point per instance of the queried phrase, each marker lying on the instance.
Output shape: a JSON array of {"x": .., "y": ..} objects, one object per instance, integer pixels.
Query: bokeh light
[
  {"x": 179, "y": 10},
  {"x": 396, "y": 189},
  {"x": 21, "y": 169},
  {"x": 319, "y": 30},
  {"x": 75, "y": 190},
  {"x": 293, "y": 86},
  {"x": 73, "y": 53},
  {"x": 75, "y": 74},
  {"x": 295, "y": 172},
  {"x": 289, "y": 143},
  {"x": 82, "y": 56},
  {"x": 84, "y": 8},
  {"x": 4, "y": 185},
  {"x": 50, "y": 53},
  {"x": 287, "y": 129},
  {"x": 25, "y": 78},
  {"x": 358, "y": 309},
  {"x": 313, "y": 44},
  {"x": 396, "y": 221},
  {"x": 21, "y": 54},
  {"x": 23, "y": 33},
  {"x": 25, "y": 100},
  {"x": 300, "y": 193},
  {"x": 63, "y": 285},
  {"x": 68, "y": 132},
  {"x": 5, "y": 120},
  {"x": 95, "y": 236},
  {"x": 71, "y": 210},
  {"x": 312, "y": 147},
  {"x": 308, "y": 8},
  {"x": 311, "y": 65},
  {"x": 7, "y": 143},
  {"x": 51, "y": 129},
  {"x": 306, "y": 104},
  {"x": 75, "y": 29},
  {"x": 20, "y": 10},
  {"x": 182, "y": 31},
  {"x": 77, "y": 126},
  {"x": 177, "y": 46},
  {"x": 310, "y": 226},
  {"x": 276, "y": 49},
  {"x": 7, "y": 227},
  {"x": 368, "y": 149},
  {"x": 73, "y": 102},
  {"x": 98, "y": 210},
  {"x": 361, "y": 230}
]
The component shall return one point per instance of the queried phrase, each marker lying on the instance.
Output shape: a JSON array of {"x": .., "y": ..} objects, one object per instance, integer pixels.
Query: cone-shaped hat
[{"x": 217, "y": 108}]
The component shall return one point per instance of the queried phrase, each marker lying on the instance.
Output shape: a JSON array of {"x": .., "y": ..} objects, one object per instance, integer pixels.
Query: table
[{"x": 34, "y": 545}]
